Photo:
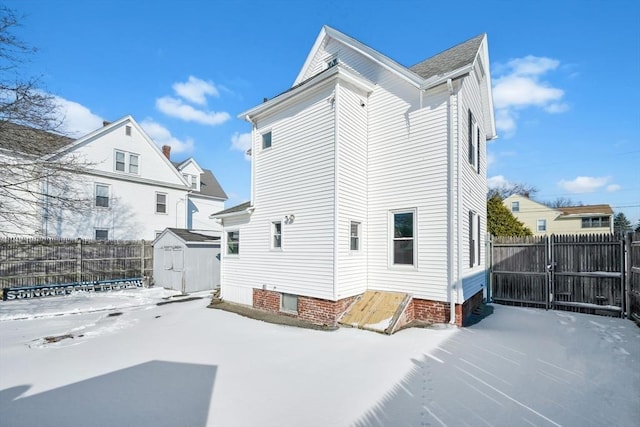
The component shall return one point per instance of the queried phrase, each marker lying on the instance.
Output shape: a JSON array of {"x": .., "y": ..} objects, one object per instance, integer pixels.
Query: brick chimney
[
  {"x": 105, "y": 123},
  {"x": 166, "y": 150}
]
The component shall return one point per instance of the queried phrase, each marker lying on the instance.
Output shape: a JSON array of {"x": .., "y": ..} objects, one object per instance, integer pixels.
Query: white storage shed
[{"x": 186, "y": 261}]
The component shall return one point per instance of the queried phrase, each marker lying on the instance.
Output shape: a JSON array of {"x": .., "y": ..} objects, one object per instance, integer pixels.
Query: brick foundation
[
  {"x": 324, "y": 312},
  {"x": 315, "y": 310},
  {"x": 439, "y": 312}
]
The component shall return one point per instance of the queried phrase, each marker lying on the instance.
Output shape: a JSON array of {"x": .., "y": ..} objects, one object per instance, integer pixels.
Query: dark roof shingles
[
  {"x": 237, "y": 208},
  {"x": 190, "y": 236},
  {"x": 26, "y": 140},
  {"x": 451, "y": 59}
]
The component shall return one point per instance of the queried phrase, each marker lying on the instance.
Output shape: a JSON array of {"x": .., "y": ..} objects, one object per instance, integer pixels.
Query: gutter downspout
[
  {"x": 253, "y": 152},
  {"x": 450, "y": 220}
]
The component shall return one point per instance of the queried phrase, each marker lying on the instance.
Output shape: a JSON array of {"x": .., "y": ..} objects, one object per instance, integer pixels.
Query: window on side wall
[
  {"x": 266, "y": 140},
  {"x": 276, "y": 235},
  {"x": 102, "y": 234},
  {"x": 515, "y": 206},
  {"x": 133, "y": 163},
  {"x": 354, "y": 238},
  {"x": 161, "y": 203},
  {"x": 541, "y": 225},
  {"x": 473, "y": 142},
  {"x": 120, "y": 161},
  {"x": 102, "y": 195},
  {"x": 474, "y": 239},
  {"x": 233, "y": 242},
  {"x": 403, "y": 237}
]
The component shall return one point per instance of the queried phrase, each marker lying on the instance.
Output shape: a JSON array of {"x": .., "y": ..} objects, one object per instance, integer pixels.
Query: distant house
[
  {"x": 366, "y": 175},
  {"x": 543, "y": 220},
  {"x": 129, "y": 188}
]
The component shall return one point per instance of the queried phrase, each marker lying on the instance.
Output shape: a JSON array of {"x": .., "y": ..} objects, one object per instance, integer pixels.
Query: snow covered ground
[{"x": 187, "y": 365}]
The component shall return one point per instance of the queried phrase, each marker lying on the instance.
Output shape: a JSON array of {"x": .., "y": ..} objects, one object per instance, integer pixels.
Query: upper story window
[
  {"x": 596, "y": 222},
  {"x": 403, "y": 238},
  {"x": 474, "y": 143},
  {"x": 332, "y": 62},
  {"x": 127, "y": 162},
  {"x": 102, "y": 195},
  {"x": 161, "y": 203},
  {"x": 276, "y": 235},
  {"x": 233, "y": 242},
  {"x": 266, "y": 140},
  {"x": 515, "y": 206},
  {"x": 192, "y": 180},
  {"x": 354, "y": 238}
]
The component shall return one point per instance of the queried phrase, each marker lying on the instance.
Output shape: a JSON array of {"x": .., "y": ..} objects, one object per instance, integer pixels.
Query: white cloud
[
  {"x": 162, "y": 136},
  {"x": 521, "y": 86},
  {"x": 77, "y": 120},
  {"x": 174, "y": 107},
  {"x": 195, "y": 90},
  {"x": 491, "y": 159},
  {"x": 241, "y": 142},
  {"x": 498, "y": 181},
  {"x": 584, "y": 184},
  {"x": 613, "y": 187}
]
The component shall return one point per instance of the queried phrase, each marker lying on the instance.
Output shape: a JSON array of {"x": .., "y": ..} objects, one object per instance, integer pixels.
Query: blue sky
[{"x": 566, "y": 76}]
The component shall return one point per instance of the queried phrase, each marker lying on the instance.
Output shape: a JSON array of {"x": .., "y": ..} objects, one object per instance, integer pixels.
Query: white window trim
[
  {"x": 474, "y": 240},
  {"x": 473, "y": 142},
  {"x": 515, "y": 203},
  {"x": 358, "y": 236},
  {"x": 127, "y": 162},
  {"x": 95, "y": 195},
  {"x": 272, "y": 234},
  {"x": 226, "y": 245},
  {"x": 264, "y": 132},
  {"x": 166, "y": 203},
  {"x": 538, "y": 225},
  {"x": 390, "y": 240}
]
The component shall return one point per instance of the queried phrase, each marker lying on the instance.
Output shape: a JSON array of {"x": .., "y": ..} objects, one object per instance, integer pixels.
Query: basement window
[{"x": 289, "y": 303}]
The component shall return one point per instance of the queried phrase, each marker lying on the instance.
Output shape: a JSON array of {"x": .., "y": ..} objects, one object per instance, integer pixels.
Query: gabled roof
[
  {"x": 449, "y": 60},
  {"x": 27, "y": 140},
  {"x": 191, "y": 236},
  {"x": 209, "y": 185},
  {"x": 587, "y": 210}
]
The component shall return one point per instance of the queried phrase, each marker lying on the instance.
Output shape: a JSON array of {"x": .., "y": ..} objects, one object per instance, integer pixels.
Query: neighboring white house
[
  {"x": 543, "y": 220},
  {"x": 366, "y": 175},
  {"x": 130, "y": 189}
]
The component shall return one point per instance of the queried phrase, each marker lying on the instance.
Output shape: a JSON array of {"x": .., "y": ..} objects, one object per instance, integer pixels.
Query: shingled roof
[
  {"x": 27, "y": 140},
  {"x": 587, "y": 210},
  {"x": 192, "y": 237},
  {"x": 449, "y": 60},
  {"x": 237, "y": 208}
]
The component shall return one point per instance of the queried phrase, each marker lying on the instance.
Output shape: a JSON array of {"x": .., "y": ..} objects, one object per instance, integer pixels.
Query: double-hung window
[
  {"x": 541, "y": 225},
  {"x": 403, "y": 251},
  {"x": 102, "y": 195},
  {"x": 354, "y": 238},
  {"x": 127, "y": 162},
  {"x": 276, "y": 235},
  {"x": 233, "y": 242},
  {"x": 474, "y": 138},
  {"x": 161, "y": 203},
  {"x": 515, "y": 206}
]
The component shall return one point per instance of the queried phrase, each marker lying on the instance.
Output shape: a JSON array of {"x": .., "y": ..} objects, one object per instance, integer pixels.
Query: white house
[
  {"x": 366, "y": 175},
  {"x": 128, "y": 189}
]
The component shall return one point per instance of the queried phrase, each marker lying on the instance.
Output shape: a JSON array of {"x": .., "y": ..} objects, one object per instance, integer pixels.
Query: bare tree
[
  {"x": 33, "y": 178},
  {"x": 505, "y": 191},
  {"x": 562, "y": 202}
]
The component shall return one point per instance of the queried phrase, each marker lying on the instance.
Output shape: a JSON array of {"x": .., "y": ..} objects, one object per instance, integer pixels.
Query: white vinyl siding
[{"x": 294, "y": 177}]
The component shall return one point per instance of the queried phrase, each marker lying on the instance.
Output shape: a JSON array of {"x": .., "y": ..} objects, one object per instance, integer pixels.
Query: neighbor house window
[
  {"x": 354, "y": 238},
  {"x": 596, "y": 222},
  {"x": 233, "y": 242},
  {"x": 102, "y": 234},
  {"x": 161, "y": 203},
  {"x": 102, "y": 195},
  {"x": 403, "y": 250},
  {"x": 128, "y": 162},
  {"x": 266, "y": 140},
  {"x": 515, "y": 206},
  {"x": 289, "y": 303},
  {"x": 119, "y": 161},
  {"x": 472, "y": 137},
  {"x": 474, "y": 239},
  {"x": 276, "y": 235},
  {"x": 541, "y": 225}
]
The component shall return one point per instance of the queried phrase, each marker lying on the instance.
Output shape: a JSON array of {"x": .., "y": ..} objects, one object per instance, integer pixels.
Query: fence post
[
  {"x": 626, "y": 261},
  {"x": 142, "y": 258},
  {"x": 79, "y": 260}
]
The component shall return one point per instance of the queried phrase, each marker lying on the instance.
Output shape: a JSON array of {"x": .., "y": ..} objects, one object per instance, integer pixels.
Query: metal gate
[{"x": 583, "y": 273}]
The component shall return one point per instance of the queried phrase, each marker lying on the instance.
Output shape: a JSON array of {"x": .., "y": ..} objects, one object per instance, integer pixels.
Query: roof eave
[{"x": 247, "y": 211}]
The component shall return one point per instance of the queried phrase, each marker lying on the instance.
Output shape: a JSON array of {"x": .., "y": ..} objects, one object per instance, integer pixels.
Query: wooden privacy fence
[
  {"x": 32, "y": 262},
  {"x": 583, "y": 273}
]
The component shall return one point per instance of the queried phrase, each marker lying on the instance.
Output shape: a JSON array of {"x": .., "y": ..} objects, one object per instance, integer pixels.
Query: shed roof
[
  {"x": 191, "y": 236},
  {"x": 237, "y": 208}
]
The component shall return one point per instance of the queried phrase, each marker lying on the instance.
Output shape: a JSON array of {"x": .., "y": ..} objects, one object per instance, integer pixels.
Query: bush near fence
[{"x": 33, "y": 261}]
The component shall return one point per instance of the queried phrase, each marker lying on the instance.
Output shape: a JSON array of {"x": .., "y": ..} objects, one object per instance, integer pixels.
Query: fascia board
[
  {"x": 484, "y": 51},
  {"x": 247, "y": 211},
  {"x": 440, "y": 79},
  {"x": 334, "y": 72},
  {"x": 186, "y": 162}
]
